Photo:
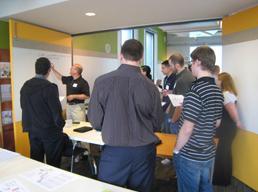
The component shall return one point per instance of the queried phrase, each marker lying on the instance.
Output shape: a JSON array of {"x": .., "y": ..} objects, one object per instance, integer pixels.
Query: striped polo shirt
[{"x": 203, "y": 106}]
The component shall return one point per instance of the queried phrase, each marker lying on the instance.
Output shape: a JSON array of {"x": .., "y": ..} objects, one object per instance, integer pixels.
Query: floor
[{"x": 165, "y": 176}]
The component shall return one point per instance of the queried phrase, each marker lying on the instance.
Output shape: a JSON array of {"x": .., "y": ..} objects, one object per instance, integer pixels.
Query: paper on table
[
  {"x": 48, "y": 178},
  {"x": 176, "y": 100},
  {"x": 11, "y": 186},
  {"x": 7, "y": 155}
]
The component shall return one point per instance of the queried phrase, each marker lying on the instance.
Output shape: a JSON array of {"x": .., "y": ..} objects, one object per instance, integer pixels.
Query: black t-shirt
[
  {"x": 169, "y": 82},
  {"x": 76, "y": 86}
]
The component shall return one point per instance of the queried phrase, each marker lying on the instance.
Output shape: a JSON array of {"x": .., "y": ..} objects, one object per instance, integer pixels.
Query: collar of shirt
[
  {"x": 172, "y": 74},
  {"x": 130, "y": 67},
  {"x": 181, "y": 72},
  {"x": 206, "y": 79},
  {"x": 77, "y": 78},
  {"x": 39, "y": 76}
]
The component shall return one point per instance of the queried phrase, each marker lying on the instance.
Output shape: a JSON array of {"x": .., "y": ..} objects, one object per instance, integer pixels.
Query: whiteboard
[
  {"x": 93, "y": 67},
  {"x": 23, "y": 69},
  {"x": 240, "y": 60}
]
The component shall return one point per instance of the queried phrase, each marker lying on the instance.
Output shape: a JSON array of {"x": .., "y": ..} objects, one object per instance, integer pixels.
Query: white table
[
  {"x": 90, "y": 137},
  {"x": 14, "y": 168}
]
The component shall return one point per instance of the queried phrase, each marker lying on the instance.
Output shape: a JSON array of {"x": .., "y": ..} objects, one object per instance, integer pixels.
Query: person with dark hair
[
  {"x": 183, "y": 82},
  {"x": 202, "y": 111},
  {"x": 77, "y": 90},
  {"x": 125, "y": 106},
  {"x": 168, "y": 83},
  {"x": 146, "y": 71},
  {"x": 42, "y": 115}
]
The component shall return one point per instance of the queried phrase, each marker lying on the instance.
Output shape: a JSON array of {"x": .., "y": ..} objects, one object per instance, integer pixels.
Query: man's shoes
[{"x": 166, "y": 161}]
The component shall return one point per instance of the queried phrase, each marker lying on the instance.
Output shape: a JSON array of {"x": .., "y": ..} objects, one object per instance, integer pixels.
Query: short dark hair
[
  {"x": 207, "y": 57},
  {"x": 147, "y": 69},
  {"x": 42, "y": 66},
  {"x": 177, "y": 58},
  {"x": 165, "y": 63},
  {"x": 132, "y": 50}
]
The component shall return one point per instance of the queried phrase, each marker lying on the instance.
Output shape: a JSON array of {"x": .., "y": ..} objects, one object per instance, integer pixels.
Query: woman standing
[{"x": 226, "y": 132}]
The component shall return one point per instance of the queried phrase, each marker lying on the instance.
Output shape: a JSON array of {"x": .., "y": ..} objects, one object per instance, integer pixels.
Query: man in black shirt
[
  {"x": 125, "y": 106},
  {"x": 77, "y": 91},
  {"x": 42, "y": 115}
]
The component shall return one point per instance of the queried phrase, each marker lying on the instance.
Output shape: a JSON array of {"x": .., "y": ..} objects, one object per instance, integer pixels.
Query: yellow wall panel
[
  {"x": 241, "y": 21},
  {"x": 35, "y": 33},
  {"x": 245, "y": 158},
  {"x": 22, "y": 144},
  {"x": 245, "y": 146},
  {"x": 24, "y": 31}
]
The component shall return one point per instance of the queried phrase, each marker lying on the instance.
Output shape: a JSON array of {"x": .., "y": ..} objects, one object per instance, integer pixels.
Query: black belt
[{"x": 73, "y": 103}]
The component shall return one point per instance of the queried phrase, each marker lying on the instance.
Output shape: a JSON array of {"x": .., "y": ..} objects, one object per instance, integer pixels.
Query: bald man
[{"x": 77, "y": 90}]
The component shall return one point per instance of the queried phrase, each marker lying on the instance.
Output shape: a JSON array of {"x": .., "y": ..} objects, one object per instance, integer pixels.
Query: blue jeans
[
  {"x": 168, "y": 126},
  {"x": 193, "y": 176}
]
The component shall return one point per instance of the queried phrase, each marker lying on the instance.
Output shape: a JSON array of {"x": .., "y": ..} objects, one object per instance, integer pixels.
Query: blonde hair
[
  {"x": 227, "y": 83},
  {"x": 78, "y": 68}
]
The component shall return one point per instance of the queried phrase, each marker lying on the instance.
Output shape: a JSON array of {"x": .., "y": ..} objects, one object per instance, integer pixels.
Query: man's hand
[
  {"x": 165, "y": 92},
  {"x": 52, "y": 66},
  {"x": 158, "y": 82},
  {"x": 56, "y": 73},
  {"x": 70, "y": 97}
]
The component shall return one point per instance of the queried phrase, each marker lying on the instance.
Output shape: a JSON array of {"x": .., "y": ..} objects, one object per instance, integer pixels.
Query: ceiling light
[{"x": 90, "y": 14}]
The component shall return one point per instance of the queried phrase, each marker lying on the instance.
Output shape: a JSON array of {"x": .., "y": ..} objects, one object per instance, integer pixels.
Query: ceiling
[{"x": 69, "y": 16}]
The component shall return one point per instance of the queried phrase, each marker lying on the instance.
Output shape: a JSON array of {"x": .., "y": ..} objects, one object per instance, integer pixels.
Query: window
[
  {"x": 149, "y": 58},
  {"x": 218, "y": 52},
  {"x": 126, "y": 34}
]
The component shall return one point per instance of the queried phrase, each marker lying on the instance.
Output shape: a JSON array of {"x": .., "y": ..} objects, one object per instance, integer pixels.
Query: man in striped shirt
[{"x": 202, "y": 109}]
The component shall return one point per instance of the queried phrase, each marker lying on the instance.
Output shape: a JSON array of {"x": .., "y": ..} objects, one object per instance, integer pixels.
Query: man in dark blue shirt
[{"x": 168, "y": 83}]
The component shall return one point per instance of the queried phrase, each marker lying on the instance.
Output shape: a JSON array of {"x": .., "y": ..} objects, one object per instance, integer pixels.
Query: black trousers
[
  {"x": 52, "y": 147},
  {"x": 131, "y": 167}
]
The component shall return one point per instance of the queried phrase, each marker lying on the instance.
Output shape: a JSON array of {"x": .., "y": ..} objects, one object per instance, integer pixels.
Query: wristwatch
[{"x": 176, "y": 151}]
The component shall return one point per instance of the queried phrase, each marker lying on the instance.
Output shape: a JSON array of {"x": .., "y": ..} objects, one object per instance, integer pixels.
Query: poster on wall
[
  {"x": 5, "y": 70},
  {"x": 6, "y": 117},
  {"x": 5, "y": 92}
]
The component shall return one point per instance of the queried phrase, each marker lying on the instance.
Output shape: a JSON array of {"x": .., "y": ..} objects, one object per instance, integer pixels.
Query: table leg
[
  {"x": 92, "y": 162},
  {"x": 72, "y": 158}
]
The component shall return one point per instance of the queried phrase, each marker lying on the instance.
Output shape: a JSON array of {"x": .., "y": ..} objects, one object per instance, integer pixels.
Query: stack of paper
[
  {"x": 176, "y": 100},
  {"x": 48, "y": 178}
]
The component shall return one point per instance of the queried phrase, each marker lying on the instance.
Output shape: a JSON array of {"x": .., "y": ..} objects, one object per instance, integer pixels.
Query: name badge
[
  {"x": 75, "y": 85},
  {"x": 167, "y": 87}
]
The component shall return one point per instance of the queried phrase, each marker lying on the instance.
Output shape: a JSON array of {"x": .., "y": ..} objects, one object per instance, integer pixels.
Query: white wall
[
  {"x": 24, "y": 69},
  {"x": 93, "y": 67},
  {"x": 240, "y": 60}
]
